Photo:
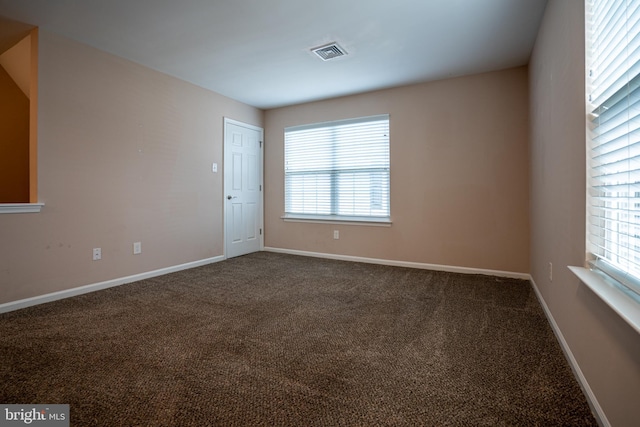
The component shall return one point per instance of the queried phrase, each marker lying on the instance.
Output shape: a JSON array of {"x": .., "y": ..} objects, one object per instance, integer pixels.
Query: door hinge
[
  {"x": 261, "y": 188},
  {"x": 260, "y": 144},
  {"x": 261, "y": 231}
]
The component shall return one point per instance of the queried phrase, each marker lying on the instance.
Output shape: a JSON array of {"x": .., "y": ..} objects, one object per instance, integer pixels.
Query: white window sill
[
  {"x": 348, "y": 220},
  {"x": 7, "y": 208},
  {"x": 622, "y": 302}
]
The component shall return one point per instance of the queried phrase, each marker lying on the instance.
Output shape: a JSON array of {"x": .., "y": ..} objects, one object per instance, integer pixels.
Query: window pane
[
  {"x": 338, "y": 168},
  {"x": 308, "y": 194},
  {"x": 363, "y": 193},
  {"x": 614, "y": 152}
]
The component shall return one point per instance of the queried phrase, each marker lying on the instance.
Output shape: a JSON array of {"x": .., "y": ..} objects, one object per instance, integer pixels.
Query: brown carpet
[{"x": 279, "y": 340}]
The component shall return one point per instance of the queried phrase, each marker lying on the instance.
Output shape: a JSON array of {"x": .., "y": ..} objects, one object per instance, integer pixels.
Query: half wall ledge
[
  {"x": 8, "y": 208},
  {"x": 612, "y": 294}
]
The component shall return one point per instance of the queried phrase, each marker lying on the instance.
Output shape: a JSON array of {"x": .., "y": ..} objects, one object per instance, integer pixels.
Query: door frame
[{"x": 225, "y": 190}]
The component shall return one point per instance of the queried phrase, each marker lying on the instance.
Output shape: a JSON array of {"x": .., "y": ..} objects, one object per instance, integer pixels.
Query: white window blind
[
  {"x": 613, "y": 58},
  {"x": 338, "y": 170}
]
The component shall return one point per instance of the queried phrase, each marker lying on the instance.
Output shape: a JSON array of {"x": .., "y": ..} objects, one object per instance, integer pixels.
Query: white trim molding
[
  {"x": 584, "y": 384},
  {"x": 28, "y": 302},
  {"x": 8, "y": 208},
  {"x": 395, "y": 263}
]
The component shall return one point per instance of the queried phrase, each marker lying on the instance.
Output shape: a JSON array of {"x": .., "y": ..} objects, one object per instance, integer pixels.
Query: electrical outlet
[
  {"x": 137, "y": 248},
  {"x": 336, "y": 234},
  {"x": 97, "y": 254},
  {"x": 551, "y": 272}
]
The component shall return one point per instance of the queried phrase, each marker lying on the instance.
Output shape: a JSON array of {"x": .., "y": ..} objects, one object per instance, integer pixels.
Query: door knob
[{"x": 229, "y": 197}]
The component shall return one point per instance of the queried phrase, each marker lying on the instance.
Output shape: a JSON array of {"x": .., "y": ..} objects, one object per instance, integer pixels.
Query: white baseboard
[
  {"x": 28, "y": 302},
  {"x": 420, "y": 265},
  {"x": 584, "y": 384}
]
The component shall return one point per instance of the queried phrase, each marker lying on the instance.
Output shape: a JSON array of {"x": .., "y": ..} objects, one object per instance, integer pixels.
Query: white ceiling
[{"x": 258, "y": 51}]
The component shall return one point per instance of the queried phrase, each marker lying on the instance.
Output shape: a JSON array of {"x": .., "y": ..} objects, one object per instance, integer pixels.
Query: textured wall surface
[
  {"x": 124, "y": 155},
  {"x": 459, "y": 174}
]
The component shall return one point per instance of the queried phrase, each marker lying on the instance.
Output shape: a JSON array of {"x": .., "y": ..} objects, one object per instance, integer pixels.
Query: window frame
[
  {"x": 617, "y": 288},
  {"x": 333, "y": 217}
]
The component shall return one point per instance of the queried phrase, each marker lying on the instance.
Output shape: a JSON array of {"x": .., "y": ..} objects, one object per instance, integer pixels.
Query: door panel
[
  {"x": 251, "y": 221},
  {"x": 243, "y": 188},
  {"x": 252, "y": 173},
  {"x": 237, "y": 171},
  {"x": 236, "y": 218}
]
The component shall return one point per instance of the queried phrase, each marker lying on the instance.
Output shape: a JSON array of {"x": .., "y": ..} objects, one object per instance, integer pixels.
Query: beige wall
[
  {"x": 124, "y": 155},
  {"x": 459, "y": 174},
  {"x": 606, "y": 349},
  {"x": 14, "y": 141}
]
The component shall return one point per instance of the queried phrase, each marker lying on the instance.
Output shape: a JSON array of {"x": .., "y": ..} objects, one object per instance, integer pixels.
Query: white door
[{"x": 243, "y": 188}]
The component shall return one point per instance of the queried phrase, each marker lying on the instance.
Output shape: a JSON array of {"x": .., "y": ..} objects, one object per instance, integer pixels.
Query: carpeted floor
[{"x": 278, "y": 340}]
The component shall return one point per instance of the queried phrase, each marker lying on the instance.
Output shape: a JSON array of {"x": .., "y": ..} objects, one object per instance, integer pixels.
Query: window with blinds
[
  {"x": 338, "y": 170},
  {"x": 613, "y": 60}
]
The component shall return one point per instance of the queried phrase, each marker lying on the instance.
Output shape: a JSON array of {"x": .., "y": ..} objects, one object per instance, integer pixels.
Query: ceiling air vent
[{"x": 329, "y": 51}]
